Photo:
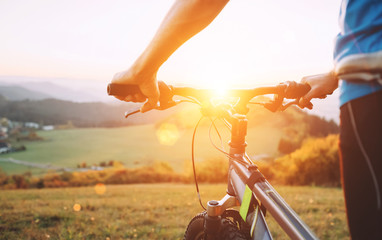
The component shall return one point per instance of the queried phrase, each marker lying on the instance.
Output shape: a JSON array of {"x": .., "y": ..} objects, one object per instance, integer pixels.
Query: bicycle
[{"x": 247, "y": 188}]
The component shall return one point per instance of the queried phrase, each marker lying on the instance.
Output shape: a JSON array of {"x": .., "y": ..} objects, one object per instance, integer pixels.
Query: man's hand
[
  {"x": 321, "y": 85},
  {"x": 146, "y": 82}
]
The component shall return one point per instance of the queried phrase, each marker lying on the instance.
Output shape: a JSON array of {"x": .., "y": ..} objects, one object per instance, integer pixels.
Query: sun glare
[
  {"x": 77, "y": 207},
  {"x": 168, "y": 134},
  {"x": 100, "y": 188},
  {"x": 220, "y": 91},
  {"x": 219, "y": 84}
]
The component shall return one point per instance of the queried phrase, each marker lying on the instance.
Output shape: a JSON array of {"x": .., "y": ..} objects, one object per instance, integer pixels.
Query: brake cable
[
  {"x": 227, "y": 124},
  {"x": 220, "y": 138},
  {"x": 192, "y": 100},
  {"x": 193, "y": 161}
]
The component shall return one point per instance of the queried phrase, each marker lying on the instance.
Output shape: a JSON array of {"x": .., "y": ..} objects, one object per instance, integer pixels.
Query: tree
[{"x": 316, "y": 162}]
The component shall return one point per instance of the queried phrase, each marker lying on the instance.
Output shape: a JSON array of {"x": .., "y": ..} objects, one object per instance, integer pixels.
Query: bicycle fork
[
  {"x": 215, "y": 210},
  {"x": 250, "y": 212}
]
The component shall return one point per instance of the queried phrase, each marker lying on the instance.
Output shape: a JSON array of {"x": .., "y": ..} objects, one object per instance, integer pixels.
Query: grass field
[
  {"x": 155, "y": 211},
  {"x": 134, "y": 146}
]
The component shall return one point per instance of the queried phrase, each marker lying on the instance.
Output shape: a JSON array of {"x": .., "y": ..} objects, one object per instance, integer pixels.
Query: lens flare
[
  {"x": 77, "y": 207},
  {"x": 100, "y": 188},
  {"x": 168, "y": 134}
]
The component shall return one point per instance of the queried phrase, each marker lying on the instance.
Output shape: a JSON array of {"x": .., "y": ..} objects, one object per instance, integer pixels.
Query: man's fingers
[
  {"x": 309, "y": 105},
  {"x": 148, "y": 106},
  {"x": 122, "y": 98},
  {"x": 151, "y": 90},
  {"x": 139, "y": 98},
  {"x": 129, "y": 98},
  {"x": 132, "y": 98},
  {"x": 305, "y": 103}
]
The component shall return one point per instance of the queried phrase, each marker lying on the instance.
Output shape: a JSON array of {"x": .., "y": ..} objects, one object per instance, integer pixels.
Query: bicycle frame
[{"x": 248, "y": 189}]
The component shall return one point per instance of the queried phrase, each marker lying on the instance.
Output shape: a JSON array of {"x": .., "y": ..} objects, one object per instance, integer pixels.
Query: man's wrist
[{"x": 143, "y": 70}]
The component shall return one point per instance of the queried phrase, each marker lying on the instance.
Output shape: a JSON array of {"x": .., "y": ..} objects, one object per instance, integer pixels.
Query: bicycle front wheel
[{"x": 228, "y": 230}]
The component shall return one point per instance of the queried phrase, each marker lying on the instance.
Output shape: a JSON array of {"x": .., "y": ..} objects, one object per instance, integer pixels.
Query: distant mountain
[
  {"x": 60, "y": 92},
  {"x": 15, "y": 93},
  {"x": 63, "y": 89}
]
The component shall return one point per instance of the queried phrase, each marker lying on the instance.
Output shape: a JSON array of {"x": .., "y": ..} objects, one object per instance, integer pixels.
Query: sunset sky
[{"x": 252, "y": 42}]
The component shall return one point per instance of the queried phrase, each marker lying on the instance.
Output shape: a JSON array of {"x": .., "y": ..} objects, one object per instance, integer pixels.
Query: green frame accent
[{"x": 244, "y": 207}]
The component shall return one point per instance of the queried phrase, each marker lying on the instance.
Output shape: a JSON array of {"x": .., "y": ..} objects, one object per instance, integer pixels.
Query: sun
[
  {"x": 220, "y": 91},
  {"x": 218, "y": 84}
]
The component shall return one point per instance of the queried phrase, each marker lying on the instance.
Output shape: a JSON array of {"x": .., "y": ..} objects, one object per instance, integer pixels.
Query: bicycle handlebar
[{"x": 289, "y": 90}]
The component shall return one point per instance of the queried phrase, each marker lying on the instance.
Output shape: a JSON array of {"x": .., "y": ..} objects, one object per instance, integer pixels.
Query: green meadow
[
  {"x": 134, "y": 146},
  {"x": 142, "y": 211},
  {"x": 146, "y": 211}
]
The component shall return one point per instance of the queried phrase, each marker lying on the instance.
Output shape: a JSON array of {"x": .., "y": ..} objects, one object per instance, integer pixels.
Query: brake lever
[
  {"x": 275, "y": 104},
  {"x": 288, "y": 104},
  {"x": 129, "y": 113},
  {"x": 160, "y": 107},
  {"x": 295, "y": 102},
  {"x": 289, "y": 90}
]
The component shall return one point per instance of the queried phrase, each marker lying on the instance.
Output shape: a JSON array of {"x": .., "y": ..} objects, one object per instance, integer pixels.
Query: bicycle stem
[{"x": 238, "y": 132}]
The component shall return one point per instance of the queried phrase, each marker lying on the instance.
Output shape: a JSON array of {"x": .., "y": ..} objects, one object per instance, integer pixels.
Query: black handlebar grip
[{"x": 116, "y": 89}]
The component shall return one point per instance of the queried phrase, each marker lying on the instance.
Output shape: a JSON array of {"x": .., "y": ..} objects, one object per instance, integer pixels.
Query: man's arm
[{"x": 185, "y": 19}]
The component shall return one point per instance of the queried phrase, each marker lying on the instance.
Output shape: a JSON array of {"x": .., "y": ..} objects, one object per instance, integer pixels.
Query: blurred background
[{"x": 58, "y": 127}]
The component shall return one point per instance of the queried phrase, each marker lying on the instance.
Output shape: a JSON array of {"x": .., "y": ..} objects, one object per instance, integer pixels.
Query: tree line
[
  {"x": 315, "y": 163},
  {"x": 59, "y": 112}
]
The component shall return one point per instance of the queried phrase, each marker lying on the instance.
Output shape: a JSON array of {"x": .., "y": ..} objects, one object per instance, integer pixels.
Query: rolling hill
[{"x": 16, "y": 93}]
